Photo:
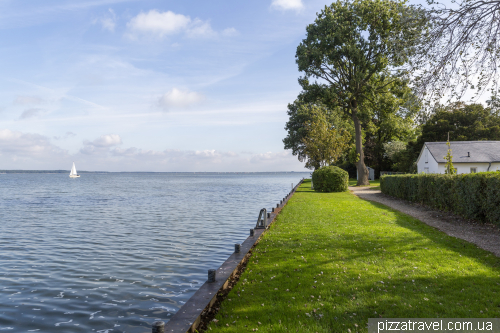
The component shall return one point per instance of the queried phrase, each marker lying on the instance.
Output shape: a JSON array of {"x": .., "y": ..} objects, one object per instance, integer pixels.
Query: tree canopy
[
  {"x": 353, "y": 50},
  {"x": 300, "y": 114},
  {"x": 464, "y": 122},
  {"x": 324, "y": 144}
]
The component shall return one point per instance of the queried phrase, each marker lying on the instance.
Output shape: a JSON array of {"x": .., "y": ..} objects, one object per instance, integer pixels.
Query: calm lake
[{"x": 114, "y": 252}]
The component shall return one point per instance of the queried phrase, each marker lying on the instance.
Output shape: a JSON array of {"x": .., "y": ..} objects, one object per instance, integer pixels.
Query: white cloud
[
  {"x": 287, "y": 4},
  {"x": 161, "y": 24},
  {"x": 30, "y": 113},
  {"x": 24, "y": 148},
  {"x": 158, "y": 23},
  {"x": 34, "y": 151},
  {"x": 107, "y": 140},
  {"x": 27, "y": 100},
  {"x": 176, "y": 98},
  {"x": 230, "y": 32},
  {"x": 200, "y": 28},
  {"x": 107, "y": 22},
  {"x": 269, "y": 156},
  {"x": 65, "y": 136},
  {"x": 101, "y": 145}
]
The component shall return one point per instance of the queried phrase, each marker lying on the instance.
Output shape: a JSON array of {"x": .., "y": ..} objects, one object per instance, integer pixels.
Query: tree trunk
[{"x": 360, "y": 165}]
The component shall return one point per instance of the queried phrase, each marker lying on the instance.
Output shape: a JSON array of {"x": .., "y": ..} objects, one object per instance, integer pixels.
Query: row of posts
[{"x": 159, "y": 326}]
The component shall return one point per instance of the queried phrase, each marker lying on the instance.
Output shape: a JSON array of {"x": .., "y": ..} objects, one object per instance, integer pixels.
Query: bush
[
  {"x": 330, "y": 179},
  {"x": 474, "y": 196}
]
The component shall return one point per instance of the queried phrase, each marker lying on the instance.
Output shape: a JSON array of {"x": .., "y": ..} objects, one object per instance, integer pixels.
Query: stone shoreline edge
[{"x": 192, "y": 313}]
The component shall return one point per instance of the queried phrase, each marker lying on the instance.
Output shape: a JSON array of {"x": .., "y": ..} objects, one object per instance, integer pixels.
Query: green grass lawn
[
  {"x": 374, "y": 183},
  {"x": 332, "y": 260}
]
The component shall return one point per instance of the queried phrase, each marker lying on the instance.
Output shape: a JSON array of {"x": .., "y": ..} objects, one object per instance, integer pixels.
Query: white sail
[{"x": 73, "y": 173}]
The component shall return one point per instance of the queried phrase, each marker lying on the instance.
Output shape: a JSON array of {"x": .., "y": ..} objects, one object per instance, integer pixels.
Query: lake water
[{"x": 114, "y": 252}]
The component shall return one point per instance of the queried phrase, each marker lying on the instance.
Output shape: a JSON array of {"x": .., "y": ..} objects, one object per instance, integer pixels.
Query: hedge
[
  {"x": 330, "y": 179},
  {"x": 473, "y": 196}
]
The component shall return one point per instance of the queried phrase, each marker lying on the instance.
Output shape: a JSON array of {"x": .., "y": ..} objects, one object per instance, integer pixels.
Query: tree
[
  {"x": 393, "y": 148},
  {"x": 392, "y": 120},
  {"x": 449, "y": 168},
  {"x": 464, "y": 122},
  {"x": 460, "y": 45},
  {"x": 324, "y": 144},
  {"x": 349, "y": 49},
  {"x": 300, "y": 114}
]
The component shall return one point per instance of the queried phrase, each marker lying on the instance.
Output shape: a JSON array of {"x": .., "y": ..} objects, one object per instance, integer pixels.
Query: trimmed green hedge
[
  {"x": 474, "y": 196},
  {"x": 330, "y": 179}
]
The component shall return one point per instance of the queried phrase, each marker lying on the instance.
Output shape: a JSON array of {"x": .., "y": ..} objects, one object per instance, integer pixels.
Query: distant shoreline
[{"x": 172, "y": 172}]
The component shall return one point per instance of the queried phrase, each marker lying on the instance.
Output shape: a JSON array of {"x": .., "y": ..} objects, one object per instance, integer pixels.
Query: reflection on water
[{"x": 114, "y": 252}]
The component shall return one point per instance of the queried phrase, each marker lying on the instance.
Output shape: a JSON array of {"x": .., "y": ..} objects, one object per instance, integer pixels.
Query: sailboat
[{"x": 73, "y": 173}]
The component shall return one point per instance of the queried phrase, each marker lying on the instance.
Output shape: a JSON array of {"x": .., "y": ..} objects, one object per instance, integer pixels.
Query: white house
[{"x": 468, "y": 156}]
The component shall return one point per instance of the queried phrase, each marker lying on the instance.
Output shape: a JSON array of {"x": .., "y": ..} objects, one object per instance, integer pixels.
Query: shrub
[
  {"x": 330, "y": 179},
  {"x": 474, "y": 196}
]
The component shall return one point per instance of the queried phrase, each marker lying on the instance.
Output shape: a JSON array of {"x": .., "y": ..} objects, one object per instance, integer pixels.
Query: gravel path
[{"x": 485, "y": 236}]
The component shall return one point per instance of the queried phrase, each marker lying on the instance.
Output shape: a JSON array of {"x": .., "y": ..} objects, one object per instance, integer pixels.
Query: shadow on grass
[{"x": 373, "y": 272}]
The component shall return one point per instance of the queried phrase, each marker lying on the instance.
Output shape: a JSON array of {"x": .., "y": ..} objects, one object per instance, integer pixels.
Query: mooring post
[
  {"x": 211, "y": 275},
  {"x": 268, "y": 215},
  {"x": 158, "y": 327},
  {"x": 273, "y": 209},
  {"x": 237, "y": 248},
  {"x": 252, "y": 232}
]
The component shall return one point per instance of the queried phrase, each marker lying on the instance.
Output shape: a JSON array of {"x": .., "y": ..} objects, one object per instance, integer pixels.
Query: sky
[{"x": 149, "y": 85}]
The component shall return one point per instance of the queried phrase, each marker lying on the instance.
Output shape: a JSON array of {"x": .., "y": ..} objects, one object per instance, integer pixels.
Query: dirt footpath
[{"x": 485, "y": 236}]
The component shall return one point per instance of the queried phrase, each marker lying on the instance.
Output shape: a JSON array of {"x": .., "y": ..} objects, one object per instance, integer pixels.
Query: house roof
[{"x": 480, "y": 151}]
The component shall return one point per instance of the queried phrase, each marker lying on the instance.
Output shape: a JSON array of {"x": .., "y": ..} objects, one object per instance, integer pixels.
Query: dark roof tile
[{"x": 480, "y": 151}]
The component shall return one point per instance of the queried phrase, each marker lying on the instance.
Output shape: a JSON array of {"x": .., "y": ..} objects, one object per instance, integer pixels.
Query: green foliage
[
  {"x": 464, "y": 122},
  {"x": 324, "y": 144},
  {"x": 392, "y": 119},
  {"x": 350, "y": 48},
  {"x": 474, "y": 196},
  {"x": 330, "y": 179},
  {"x": 449, "y": 168},
  {"x": 300, "y": 114}
]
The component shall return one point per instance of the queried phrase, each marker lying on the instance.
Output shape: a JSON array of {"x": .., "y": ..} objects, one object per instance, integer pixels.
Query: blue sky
[{"x": 149, "y": 85}]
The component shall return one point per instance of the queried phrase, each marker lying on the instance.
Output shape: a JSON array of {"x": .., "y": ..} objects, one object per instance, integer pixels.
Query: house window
[
  {"x": 473, "y": 170},
  {"x": 426, "y": 170}
]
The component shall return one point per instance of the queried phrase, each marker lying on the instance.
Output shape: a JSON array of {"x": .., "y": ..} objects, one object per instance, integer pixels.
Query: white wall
[
  {"x": 427, "y": 161},
  {"x": 465, "y": 167}
]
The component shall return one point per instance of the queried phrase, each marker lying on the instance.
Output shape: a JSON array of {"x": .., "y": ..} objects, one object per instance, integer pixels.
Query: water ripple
[{"x": 114, "y": 252}]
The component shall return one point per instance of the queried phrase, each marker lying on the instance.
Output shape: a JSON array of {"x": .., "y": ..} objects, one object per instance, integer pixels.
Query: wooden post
[
  {"x": 211, "y": 275},
  {"x": 158, "y": 327}
]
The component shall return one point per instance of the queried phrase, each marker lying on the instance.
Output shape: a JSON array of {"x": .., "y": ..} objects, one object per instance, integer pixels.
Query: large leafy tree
[
  {"x": 393, "y": 114},
  {"x": 300, "y": 115},
  {"x": 324, "y": 144},
  {"x": 348, "y": 50},
  {"x": 464, "y": 122}
]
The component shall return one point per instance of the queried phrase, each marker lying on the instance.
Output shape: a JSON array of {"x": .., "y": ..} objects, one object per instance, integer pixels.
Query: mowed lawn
[
  {"x": 331, "y": 261},
  {"x": 375, "y": 184}
]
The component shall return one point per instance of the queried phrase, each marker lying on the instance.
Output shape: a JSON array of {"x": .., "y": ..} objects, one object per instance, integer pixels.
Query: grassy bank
[{"x": 331, "y": 261}]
